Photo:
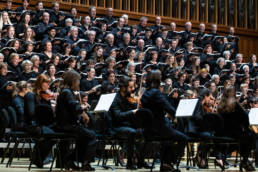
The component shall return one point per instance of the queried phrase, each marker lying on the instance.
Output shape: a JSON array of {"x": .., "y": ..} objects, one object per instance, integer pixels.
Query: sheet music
[
  {"x": 253, "y": 116},
  {"x": 105, "y": 101},
  {"x": 186, "y": 107}
]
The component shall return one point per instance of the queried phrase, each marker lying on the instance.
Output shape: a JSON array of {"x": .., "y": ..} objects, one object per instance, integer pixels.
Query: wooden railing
[{"x": 237, "y": 13}]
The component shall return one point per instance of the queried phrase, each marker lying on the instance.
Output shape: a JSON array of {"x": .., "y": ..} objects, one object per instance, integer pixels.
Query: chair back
[
  {"x": 44, "y": 114},
  {"x": 12, "y": 116},
  {"x": 4, "y": 122}
]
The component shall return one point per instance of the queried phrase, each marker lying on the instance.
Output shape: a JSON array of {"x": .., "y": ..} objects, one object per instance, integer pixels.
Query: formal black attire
[
  {"x": 68, "y": 111},
  {"x": 236, "y": 125},
  {"x": 157, "y": 103}
]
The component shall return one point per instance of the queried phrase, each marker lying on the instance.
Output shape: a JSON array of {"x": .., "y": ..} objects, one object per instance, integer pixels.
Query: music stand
[
  {"x": 253, "y": 116},
  {"x": 186, "y": 107}
]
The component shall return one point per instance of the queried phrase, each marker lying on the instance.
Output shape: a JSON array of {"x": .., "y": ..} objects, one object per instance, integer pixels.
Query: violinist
[
  {"x": 41, "y": 96},
  {"x": 84, "y": 99},
  {"x": 68, "y": 113},
  {"x": 41, "y": 90},
  {"x": 157, "y": 103},
  {"x": 124, "y": 114},
  {"x": 253, "y": 103},
  {"x": 236, "y": 125},
  {"x": 205, "y": 124}
]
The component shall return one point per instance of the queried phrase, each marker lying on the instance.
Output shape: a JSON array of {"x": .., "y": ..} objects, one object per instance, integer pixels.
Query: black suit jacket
[{"x": 121, "y": 111}]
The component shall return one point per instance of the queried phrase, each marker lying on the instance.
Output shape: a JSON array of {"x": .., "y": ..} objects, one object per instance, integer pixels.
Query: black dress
[
  {"x": 236, "y": 125},
  {"x": 68, "y": 111},
  {"x": 158, "y": 104}
]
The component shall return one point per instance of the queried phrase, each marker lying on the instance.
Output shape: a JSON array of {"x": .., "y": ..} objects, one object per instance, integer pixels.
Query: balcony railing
[{"x": 237, "y": 13}]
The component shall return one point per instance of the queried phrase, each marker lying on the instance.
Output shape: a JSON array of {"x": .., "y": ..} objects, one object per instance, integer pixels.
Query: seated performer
[
  {"x": 70, "y": 114},
  {"x": 126, "y": 121},
  {"x": 157, "y": 103}
]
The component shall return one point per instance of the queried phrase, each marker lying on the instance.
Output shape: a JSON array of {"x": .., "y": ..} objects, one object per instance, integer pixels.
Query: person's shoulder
[
  {"x": 153, "y": 91},
  {"x": 66, "y": 91}
]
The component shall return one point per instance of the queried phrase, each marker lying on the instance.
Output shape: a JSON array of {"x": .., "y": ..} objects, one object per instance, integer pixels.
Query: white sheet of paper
[
  {"x": 105, "y": 101},
  {"x": 186, "y": 107},
  {"x": 253, "y": 116}
]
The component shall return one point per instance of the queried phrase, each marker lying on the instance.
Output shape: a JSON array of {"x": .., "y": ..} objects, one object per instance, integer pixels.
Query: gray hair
[
  {"x": 25, "y": 62},
  {"x": 68, "y": 20},
  {"x": 239, "y": 55},
  {"x": 129, "y": 65},
  {"x": 109, "y": 35},
  {"x": 126, "y": 34},
  {"x": 34, "y": 58},
  {"x": 124, "y": 16},
  {"x": 74, "y": 28},
  {"x": 226, "y": 52},
  {"x": 214, "y": 76},
  {"x": 143, "y": 18},
  {"x": 188, "y": 23},
  {"x": 91, "y": 32},
  {"x": 109, "y": 59},
  {"x": 219, "y": 59},
  {"x": 245, "y": 66}
]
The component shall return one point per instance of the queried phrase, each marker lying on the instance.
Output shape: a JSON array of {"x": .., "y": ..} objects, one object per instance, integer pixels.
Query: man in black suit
[{"x": 124, "y": 116}]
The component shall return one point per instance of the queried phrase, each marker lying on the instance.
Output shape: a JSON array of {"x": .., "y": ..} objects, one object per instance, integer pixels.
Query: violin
[
  {"x": 211, "y": 107},
  {"x": 46, "y": 95},
  {"x": 133, "y": 99},
  {"x": 84, "y": 115}
]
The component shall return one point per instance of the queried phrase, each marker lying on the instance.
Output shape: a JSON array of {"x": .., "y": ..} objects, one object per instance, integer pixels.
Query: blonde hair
[
  {"x": 19, "y": 87},
  {"x": 13, "y": 55},
  {"x": 2, "y": 21},
  {"x": 2, "y": 65},
  {"x": 174, "y": 63}
]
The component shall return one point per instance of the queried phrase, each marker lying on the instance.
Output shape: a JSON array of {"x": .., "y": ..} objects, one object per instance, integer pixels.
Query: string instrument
[
  {"x": 47, "y": 95},
  {"x": 133, "y": 99},
  {"x": 211, "y": 107},
  {"x": 85, "y": 117},
  {"x": 140, "y": 93}
]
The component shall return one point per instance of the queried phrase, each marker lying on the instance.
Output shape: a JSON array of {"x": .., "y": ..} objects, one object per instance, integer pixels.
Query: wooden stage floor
[{"x": 22, "y": 164}]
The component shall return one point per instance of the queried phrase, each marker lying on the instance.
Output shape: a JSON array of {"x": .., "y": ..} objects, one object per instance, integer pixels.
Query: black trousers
[
  {"x": 169, "y": 152},
  {"x": 85, "y": 144},
  {"x": 140, "y": 126},
  {"x": 43, "y": 146}
]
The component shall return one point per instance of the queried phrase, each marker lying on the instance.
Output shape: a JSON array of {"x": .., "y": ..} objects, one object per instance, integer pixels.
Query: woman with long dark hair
[
  {"x": 157, "y": 103},
  {"x": 21, "y": 27},
  {"x": 236, "y": 125},
  {"x": 68, "y": 113}
]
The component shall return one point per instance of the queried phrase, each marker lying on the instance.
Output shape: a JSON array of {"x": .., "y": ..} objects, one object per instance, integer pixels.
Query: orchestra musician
[
  {"x": 124, "y": 114},
  {"x": 157, "y": 103},
  {"x": 68, "y": 114},
  {"x": 253, "y": 103},
  {"x": 206, "y": 123},
  {"x": 128, "y": 115},
  {"x": 41, "y": 96},
  {"x": 236, "y": 125}
]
